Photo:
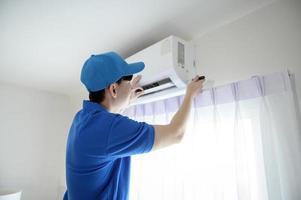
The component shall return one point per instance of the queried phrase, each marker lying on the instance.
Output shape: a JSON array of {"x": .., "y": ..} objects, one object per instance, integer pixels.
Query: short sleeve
[{"x": 128, "y": 137}]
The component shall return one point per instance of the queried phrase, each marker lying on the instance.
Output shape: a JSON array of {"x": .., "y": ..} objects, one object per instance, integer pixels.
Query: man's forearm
[{"x": 180, "y": 119}]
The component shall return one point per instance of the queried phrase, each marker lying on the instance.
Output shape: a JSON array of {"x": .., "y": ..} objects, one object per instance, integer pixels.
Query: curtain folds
[{"x": 242, "y": 143}]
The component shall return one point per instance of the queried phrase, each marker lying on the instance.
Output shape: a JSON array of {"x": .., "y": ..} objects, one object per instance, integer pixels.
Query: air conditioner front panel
[
  {"x": 169, "y": 59},
  {"x": 157, "y": 59}
]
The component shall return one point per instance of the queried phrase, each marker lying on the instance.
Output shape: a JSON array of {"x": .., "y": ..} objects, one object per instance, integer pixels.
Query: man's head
[
  {"x": 108, "y": 77},
  {"x": 116, "y": 96}
]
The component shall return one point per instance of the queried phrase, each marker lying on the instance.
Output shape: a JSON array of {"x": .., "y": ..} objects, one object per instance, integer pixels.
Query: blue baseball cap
[{"x": 99, "y": 71}]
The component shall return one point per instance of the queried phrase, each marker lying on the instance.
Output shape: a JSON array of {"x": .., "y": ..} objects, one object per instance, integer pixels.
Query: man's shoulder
[
  {"x": 101, "y": 117},
  {"x": 96, "y": 114}
]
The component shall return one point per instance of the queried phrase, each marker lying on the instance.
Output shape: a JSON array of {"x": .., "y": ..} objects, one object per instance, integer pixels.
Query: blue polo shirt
[{"x": 98, "y": 153}]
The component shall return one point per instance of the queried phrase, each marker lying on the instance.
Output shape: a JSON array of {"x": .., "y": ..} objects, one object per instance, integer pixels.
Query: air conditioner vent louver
[
  {"x": 157, "y": 91},
  {"x": 157, "y": 86},
  {"x": 157, "y": 83}
]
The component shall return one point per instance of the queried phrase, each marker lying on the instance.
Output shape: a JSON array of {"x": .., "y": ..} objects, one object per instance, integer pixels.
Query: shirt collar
[{"x": 90, "y": 106}]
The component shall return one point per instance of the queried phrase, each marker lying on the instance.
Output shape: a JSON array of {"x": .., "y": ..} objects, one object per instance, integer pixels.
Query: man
[{"x": 101, "y": 141}]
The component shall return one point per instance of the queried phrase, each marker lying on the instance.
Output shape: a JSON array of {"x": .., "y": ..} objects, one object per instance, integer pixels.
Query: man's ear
[{"x": 113, "y": 90}]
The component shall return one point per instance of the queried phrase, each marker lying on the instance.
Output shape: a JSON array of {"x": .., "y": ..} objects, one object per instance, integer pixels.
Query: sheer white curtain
[{"x": 242, "y": 143}]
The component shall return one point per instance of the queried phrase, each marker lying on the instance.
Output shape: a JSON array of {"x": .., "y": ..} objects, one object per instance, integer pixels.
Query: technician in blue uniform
[{"x": 101, "y": 141}]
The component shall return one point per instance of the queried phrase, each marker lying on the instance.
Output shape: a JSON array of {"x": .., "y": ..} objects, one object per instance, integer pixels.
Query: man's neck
[
  {"x": 109, "y": 108},
  {"x": 106, "y": 106}
]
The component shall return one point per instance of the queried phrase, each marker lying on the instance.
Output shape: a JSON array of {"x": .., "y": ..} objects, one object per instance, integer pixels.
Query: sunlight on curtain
[{"x": 242, "y": 143}]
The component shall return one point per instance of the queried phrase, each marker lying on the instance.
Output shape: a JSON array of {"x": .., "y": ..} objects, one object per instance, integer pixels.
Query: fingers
[
  {"x": 197, "y": 78},
  {"x": 136, "y": 79}
]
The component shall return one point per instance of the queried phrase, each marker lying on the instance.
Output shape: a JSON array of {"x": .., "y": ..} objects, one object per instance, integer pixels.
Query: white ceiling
[{"x": 43, "y": 43}]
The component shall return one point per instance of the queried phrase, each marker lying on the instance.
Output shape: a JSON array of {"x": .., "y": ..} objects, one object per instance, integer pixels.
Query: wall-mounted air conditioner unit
[{"x": 169, "y": 66}]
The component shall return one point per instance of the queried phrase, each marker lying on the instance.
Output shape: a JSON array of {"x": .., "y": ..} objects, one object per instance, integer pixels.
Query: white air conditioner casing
[{"x": 169, "y": 66}]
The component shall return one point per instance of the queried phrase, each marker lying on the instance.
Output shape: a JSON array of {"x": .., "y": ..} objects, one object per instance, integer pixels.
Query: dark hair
[{"x": 99, "y": 96}]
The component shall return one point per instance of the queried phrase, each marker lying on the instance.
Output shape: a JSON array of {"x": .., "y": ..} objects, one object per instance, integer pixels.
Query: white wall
[
  {"x": 268, "y": 40},
  {"x": 33, "y": 131}
]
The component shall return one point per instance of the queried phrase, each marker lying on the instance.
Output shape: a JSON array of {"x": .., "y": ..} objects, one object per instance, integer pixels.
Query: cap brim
[{"x": 134, "y": 68}]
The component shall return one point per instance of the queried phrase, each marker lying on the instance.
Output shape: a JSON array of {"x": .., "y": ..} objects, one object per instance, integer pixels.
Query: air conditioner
[{"x": 169, "y": 66}]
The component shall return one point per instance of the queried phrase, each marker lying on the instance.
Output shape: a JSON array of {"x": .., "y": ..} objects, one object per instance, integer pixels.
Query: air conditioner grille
[{"x": 157, "y": 83}]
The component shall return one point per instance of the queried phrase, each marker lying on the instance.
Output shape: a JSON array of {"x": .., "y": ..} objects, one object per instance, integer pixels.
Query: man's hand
[
  {"x": 136, "y": 90},
  {"x": 195, "y": 86}
]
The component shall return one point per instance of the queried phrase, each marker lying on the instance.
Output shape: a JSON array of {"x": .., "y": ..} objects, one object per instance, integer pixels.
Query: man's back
[{"x": 98, "y": 153}]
